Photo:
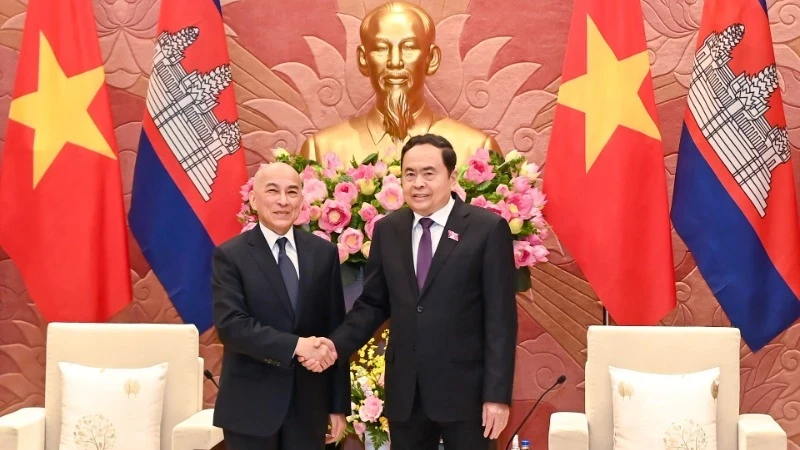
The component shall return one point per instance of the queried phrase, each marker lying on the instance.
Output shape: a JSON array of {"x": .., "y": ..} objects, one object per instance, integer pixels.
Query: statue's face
[{"x": 396, "y": 54}]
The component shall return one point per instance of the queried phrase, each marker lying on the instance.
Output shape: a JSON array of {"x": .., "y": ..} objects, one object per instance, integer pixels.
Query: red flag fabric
[
  {"x": 604, "y": 177},
  {"x": 62, "y": 220}
]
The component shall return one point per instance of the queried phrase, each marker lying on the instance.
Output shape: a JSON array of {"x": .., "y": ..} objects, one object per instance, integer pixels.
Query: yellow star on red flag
[{"x": 58, "y": 111}]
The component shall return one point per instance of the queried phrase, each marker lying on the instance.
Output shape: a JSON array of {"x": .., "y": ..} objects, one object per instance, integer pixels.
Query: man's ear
[
  {"x": 361, "y": 56},
  {"x": 435, "y": 59}
]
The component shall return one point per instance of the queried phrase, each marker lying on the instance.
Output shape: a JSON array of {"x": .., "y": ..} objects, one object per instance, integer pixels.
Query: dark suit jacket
[
  {"x": 457, "y": 337},
  {"x": 259, "y": 331}
]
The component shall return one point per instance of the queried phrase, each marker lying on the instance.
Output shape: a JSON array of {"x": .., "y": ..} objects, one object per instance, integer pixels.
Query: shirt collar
[
  {"x": 272, "y": 237},
  {"x": 422, "y": 123},
  {"x": 439, "y": 217}
]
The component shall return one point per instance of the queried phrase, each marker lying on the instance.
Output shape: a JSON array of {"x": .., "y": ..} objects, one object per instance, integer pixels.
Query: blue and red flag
[
  {"x": 734, "y": 200},
  {"x": 190, "y": 167}
]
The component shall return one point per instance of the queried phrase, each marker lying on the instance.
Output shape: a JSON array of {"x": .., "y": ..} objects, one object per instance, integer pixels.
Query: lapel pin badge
[{"x": 452, "y": 235}]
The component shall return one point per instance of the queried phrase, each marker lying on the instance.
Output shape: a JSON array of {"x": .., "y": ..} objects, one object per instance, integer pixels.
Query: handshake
[{"x": 315, "y": 353}]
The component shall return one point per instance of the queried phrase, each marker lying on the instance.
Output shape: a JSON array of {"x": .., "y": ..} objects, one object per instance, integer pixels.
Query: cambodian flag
[
  {"x": 734, "y": 200},
  {"x": 190, "y": 168}
]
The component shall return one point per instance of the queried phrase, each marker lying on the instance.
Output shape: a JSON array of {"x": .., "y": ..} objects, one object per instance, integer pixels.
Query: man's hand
[
  {"x": 495, "y": 419},
  {"x": 316, "y": 354},
  {"x": 338, "y": 424}
]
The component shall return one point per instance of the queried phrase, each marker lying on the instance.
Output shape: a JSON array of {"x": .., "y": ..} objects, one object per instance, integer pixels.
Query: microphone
[
  {"x": 560, "y": 380},
  {"x": 208, "y": 375}
]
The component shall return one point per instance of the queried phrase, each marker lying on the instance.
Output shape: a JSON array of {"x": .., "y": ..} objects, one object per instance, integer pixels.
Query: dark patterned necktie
[
  {"x": 288, "y": 272},
  {"x": 424, "y": 252}
]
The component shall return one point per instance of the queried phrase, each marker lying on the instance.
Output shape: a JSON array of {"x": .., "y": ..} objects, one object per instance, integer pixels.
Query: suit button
[
  {"x": 419, "y": 309},
  {"x": 413, "y": 346}
]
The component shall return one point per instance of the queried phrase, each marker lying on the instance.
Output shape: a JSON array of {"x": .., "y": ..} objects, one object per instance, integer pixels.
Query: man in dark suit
[
  {"x": 273, "y": 285},
  {"x": 444, "y": 271}
]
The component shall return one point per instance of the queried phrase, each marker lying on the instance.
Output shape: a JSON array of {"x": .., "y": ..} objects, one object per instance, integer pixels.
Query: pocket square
[{"x": 452, "y": 235}]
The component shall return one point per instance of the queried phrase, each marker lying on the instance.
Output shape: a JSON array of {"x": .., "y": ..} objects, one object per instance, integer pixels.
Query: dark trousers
[
  {"x": 421, "y": 433},
  {"x": 302, "y": 429}
]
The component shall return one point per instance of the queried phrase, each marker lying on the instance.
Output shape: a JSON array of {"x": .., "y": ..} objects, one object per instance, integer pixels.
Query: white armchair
[
  {"x": 185, "y": 425},
  {"x": 662, "y": 350}
]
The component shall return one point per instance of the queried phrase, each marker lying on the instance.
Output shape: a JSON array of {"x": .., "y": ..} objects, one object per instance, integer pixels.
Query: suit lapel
[
  {"x": 403, "y": 236},
  {"x": 456, "y": 223},
  {"x": 305, "y": 258},
  {"x": 260, "y": 251}
]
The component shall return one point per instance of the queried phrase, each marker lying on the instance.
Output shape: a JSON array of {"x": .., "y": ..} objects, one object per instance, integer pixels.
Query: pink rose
[
  {"x": 308, "y": 173},
  {"x": 521, "y": 184},
  {"x": 246, "y": 188},
  {"x": 478, "y": 170},
  {"x": 352, "y": 240},
  {"x": 523, "y": 204},
  {"x": 343, "y": 254},
  {"x": 359, "y": 427},
  {"x": 479, "y": 201},
  {"x": 503, "y": 190},
  {"x": 367, "y": 212},
  {"x": 371, "y": 410},
  {"x": 304, "y": 217},
  {"x": 331, "y": 161},
  {"x": 370, "y": 226},
  {"x": 381, "y": 169},
  {"x": 323, "y": 235},
  {"x": 248, "y": 226},
  {"x": 534, "y": 239},
  {"x": 346, "y": 193},
  {"x": 539, "y": 199},
  {"x": 314, "y": 190},
  {"x": 500, "y": 208},
  {"x": 462, "y": 194},
  {"x": 540, "y": 252},
  {"x": 391, "y": 197},
  {"x": 523, "y": 254},
  {"x": 314, "y": 212},
  {"x": 364, "y": 171},
  {"x": 390, "y": 179},
  {"x": 335, "y": 216}
]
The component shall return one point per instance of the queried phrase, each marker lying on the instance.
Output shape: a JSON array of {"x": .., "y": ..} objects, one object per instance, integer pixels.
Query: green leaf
[
  {"x": 371, "y": 159},
  {"x": 483, "y": 187}
]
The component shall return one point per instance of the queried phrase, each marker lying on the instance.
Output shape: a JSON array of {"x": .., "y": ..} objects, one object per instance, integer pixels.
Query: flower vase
[{"x": 368, "y": 443}]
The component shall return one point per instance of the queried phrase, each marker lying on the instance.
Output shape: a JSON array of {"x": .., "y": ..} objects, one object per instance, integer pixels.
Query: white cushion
[
  {"x": 111, "y": 408},
  {"x": 653, "y": 411}
]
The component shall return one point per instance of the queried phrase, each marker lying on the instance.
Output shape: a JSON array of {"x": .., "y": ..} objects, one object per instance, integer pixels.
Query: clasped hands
[{"x": 316, "y": 353}]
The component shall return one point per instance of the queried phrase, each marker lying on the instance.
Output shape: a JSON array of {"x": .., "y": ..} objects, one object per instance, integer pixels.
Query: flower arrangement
[
  {"x": 342, "y": 204},
  {"x": 367, "y": 394}
]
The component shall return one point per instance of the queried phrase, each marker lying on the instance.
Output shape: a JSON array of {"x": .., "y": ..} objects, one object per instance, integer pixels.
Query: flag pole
[{"x": 605, "y": 316}]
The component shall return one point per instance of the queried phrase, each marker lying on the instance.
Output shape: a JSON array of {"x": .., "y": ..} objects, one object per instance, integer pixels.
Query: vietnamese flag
[
  {"x": 605, "y": 178},
  {"x": 61, "y": 208}
]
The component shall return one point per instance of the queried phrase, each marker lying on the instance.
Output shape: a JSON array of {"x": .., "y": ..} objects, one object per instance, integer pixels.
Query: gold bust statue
[{"x": 397, "y": 52}]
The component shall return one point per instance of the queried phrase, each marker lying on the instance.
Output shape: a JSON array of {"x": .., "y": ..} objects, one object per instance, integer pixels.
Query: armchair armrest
[
  {"x": 760, "y": 432},
  {"x": 568, "y": 431},
  {"x": 22, "y": 430},
  {"x": 196, "y": 432}
]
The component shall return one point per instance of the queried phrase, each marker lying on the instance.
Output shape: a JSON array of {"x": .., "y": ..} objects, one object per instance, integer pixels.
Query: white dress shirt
[
  {"x": 439, "y": 221},
  {"x": 291, "y": 249}
]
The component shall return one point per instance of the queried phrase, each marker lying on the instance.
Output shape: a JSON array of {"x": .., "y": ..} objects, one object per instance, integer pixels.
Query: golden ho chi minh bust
[{"x": 397, "y": 52}]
